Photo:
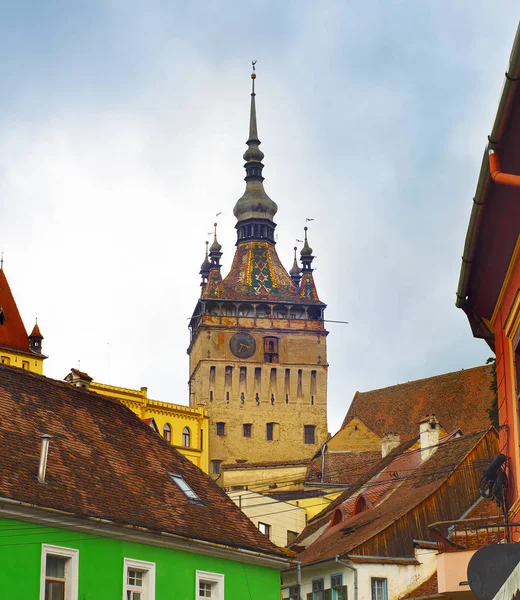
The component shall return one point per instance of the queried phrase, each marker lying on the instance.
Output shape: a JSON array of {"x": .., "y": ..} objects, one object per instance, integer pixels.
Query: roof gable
[
  {"x": 13, "y": 334},
  {"x": 104, "y": 462}
]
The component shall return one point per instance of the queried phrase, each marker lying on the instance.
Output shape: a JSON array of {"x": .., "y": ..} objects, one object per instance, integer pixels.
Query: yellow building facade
[
  {"x": 185, "y": 428},
  {"x": 258, "y": 348}
]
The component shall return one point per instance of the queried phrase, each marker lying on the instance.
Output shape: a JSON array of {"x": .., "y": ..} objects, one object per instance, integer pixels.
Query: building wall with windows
[
  {"x": 89, "y": 566},
  {"x": 185, "y": 428},
  {"x": 281, "y": 522},
  {"x": 375, "y": 580},
  {"x": 279, "y": 401}
]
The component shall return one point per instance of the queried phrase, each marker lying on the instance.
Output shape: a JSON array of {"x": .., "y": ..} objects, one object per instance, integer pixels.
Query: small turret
[
  {"x": 215, "y": 251},
  {"x": 295, "y": 272},
  {"x": 205, "y": 268},
  {"x": 35, "y": 339},
  {"x": 306, "y": 255}
]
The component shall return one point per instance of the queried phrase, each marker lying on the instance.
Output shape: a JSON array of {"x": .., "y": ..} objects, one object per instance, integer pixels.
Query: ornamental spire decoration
[{"x": 255, "y": 203}]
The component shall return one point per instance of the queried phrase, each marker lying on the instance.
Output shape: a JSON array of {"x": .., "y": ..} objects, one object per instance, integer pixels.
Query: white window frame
[
  {"x": 216, "y": 579},
  {"x": 71, "y": 569},
  {"x": 149, "y": 579}
]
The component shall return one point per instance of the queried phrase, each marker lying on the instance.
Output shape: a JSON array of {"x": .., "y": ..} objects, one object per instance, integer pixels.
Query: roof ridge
[{"x": 397, "y": 385}]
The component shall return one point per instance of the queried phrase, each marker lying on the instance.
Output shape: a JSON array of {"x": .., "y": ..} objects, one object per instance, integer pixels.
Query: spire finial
[
  {"x": 253, "y": 77},
  {"x": 306, "y": 252},
  {"x": 295, "y": 271}
]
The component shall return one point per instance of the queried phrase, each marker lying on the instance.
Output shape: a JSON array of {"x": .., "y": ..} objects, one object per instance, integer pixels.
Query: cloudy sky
[{"x": 122, "y": 129}]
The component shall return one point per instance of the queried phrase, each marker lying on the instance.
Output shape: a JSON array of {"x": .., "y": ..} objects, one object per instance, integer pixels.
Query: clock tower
[{"x": 258, "y": 352}]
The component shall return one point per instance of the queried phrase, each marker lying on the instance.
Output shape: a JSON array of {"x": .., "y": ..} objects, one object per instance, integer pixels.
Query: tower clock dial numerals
[{"x": 242, "y": 345}]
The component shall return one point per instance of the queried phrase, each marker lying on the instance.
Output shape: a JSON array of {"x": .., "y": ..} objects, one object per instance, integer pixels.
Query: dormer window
[
  {"x": 361, "y": 505},
  {"x": 185, "y": 488}
]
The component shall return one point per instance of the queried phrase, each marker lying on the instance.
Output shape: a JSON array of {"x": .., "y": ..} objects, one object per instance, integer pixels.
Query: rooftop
[
  {"x": 94, "y": 471},
  {"x": 458, "y": 400}
]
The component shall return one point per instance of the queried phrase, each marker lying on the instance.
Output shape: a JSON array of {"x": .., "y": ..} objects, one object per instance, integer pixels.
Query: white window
[
  {"x": 138, "y": 580},
  {"x": 379, "y": 588},
  {"x": 209, "y": 585},
  {"x": 59, "y": 573},
  {"x": 265, "y": 528}
]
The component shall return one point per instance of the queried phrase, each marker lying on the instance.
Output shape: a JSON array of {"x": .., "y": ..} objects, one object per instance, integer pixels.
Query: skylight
[{"x": 185, "y": 488}]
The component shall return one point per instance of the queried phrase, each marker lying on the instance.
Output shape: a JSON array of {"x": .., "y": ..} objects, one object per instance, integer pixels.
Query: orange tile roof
[
  {"x": 458, "y": 400},
  {"x": 342, "y": 467},
  {"x": 13, "y": 334},
  {"x": 94, "y": 471}
]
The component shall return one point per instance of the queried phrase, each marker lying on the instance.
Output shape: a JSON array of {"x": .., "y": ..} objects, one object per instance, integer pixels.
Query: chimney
[
  {"x": 78, "y": 379},
  {"x": 388, "y": 442},
  {"x": 429, "y": 433},
  {"x": 42, "y": 468}
]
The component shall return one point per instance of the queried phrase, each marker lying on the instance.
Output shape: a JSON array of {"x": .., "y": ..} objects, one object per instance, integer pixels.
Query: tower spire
[
  {"x": 306, "y": 254},
  {"x": 215, "y": 250},
  {"x": 255, "y": 210},
  {"x": 205, "y": 269},
  {"x": 295, "y": 272}
]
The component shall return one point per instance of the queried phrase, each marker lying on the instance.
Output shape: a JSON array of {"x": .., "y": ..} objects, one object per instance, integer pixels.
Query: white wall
[
  {"x": 400, "y": 578},
  {"x": 281, "y": 516}
]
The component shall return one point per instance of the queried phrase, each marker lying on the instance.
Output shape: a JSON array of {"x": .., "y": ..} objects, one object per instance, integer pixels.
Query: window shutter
[
  {"x": 344, "y": 593},
  {"x": 328, "y": 594},
  {"x": 309, "y": 596}
]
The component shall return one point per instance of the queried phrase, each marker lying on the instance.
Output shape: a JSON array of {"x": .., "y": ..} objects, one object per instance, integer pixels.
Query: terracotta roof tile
[
  {"x": 459, "y": 400},
  {"x": 272, "y": 464},
  {"x": 13, "y": 334},
  {"x": 426, "y": 588},
  {"x": 342, "y": 467},
  {"x": 104, "y": 462}
]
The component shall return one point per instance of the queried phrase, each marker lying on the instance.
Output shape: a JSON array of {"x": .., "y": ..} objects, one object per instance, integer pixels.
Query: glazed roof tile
[
  {"x": 13, "y": 334},
  {"x": 94, "y": 471},
  {"x": 415, "y": 483},
  {"x": 458, "y": 400},
  {"x": 257, "y": 274}
]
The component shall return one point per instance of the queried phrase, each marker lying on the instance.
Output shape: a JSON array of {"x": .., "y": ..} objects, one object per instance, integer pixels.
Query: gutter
[
  {"x": 337, "y": 557},
  {"x": 484, "y": 180},
  {"x": 117, "y": 530}
]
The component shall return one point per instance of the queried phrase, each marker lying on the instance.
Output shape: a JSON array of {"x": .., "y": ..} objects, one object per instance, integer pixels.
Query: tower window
[
  {"x": 186, "y": 434},
  {"x": 271, "y": 350},
  {"x": 221, "y": 428},
  {"x": 269, "y": 431},
  {"x": 215, "y": 467},
  {"x": 228, "y": 377},
  {"x": 211, "y": 395},
  {"x": 309, "y": 434},
  {"x": 247, "y": 428},
  {"x": 212, "y": 374},
  {"x": 167, "y": 433}
]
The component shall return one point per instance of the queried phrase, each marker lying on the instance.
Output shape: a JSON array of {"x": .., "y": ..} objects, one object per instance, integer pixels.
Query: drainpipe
[
  {"x": 323, "y": 448},
  {"x": 355, "y": 574},
  {"x": 299, "y": 576},
  {"x": 496, "y": 172},
  {"x": 43, "y": 457}
]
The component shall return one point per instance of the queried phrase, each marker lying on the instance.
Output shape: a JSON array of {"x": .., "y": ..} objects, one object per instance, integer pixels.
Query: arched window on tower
[
  {"x": 167, "y": 433},
  {"x": 186, "y": 435},
  {"x": 271, "y": 350}
]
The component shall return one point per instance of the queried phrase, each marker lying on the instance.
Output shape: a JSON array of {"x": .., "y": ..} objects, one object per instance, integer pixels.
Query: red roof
[
  {"x": 429, "y": 587},
  {"x": 13, "y": 334},
  {"x": 458, "y": 400},
  {"x": 36, "y": 332},
  {"x": 94, "y": 471}
]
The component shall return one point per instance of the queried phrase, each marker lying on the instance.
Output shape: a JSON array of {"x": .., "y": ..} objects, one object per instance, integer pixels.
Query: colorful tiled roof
[
  {"x": 458, "y": 400},
  {"x": 258, "y": 274},
  {"x": 94, "y": 471},
  {"x": 409, "y": 482},
  {"x": 13, "y": 334}
]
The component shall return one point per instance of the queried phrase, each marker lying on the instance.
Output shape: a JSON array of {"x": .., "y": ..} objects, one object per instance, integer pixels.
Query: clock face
[{"x": 242, "y": 345}]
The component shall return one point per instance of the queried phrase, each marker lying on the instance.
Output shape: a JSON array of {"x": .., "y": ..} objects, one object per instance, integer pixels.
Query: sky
[{"x": 122, "y": 129}]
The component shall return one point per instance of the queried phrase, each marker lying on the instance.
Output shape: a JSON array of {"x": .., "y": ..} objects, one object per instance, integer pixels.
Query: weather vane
[{"x": 253, "y": 63}]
